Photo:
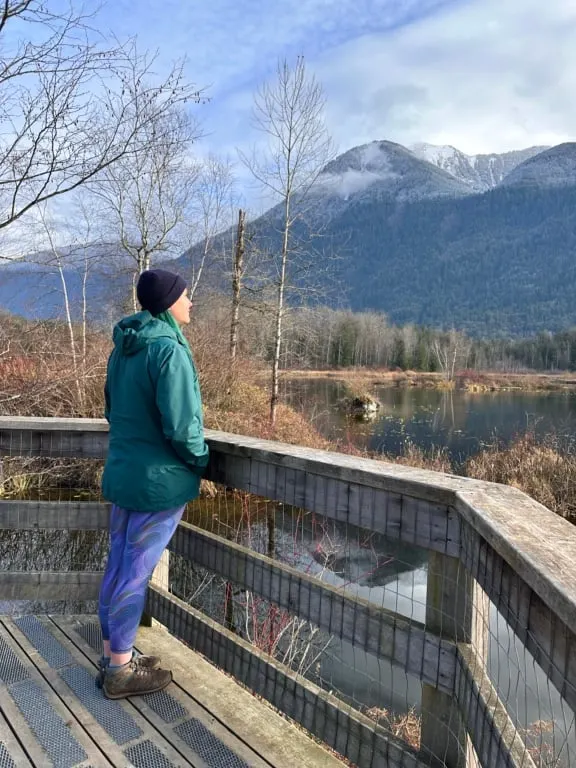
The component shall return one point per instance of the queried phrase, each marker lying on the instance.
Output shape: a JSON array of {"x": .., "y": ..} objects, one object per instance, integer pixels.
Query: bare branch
[
  {"x": 72, "y": 106},
  {"x": 289, "y": 113}
]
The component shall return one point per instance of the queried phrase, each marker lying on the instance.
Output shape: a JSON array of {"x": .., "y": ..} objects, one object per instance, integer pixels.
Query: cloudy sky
[{"x": 484, "y": 75}]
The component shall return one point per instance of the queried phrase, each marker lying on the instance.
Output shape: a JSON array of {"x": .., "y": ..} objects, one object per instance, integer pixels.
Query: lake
[{"x": 460, "y": 422}]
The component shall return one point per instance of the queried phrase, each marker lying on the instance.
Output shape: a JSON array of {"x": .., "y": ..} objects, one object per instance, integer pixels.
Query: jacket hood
[{"x": 135, "y": 332}]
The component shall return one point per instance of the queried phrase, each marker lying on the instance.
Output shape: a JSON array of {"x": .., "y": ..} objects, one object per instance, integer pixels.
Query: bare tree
[
  {"x": 77, "y": 257},
  {"x": 70, "y": 104},
  {"x": 147, "y": 197},
  {"x": 451, "y": 351},
  {"x": 213, "y": 196},
  {"x": 289, "y": 112}
]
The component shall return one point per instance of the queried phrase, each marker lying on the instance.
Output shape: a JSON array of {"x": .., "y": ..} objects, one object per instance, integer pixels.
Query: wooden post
[
  {"x": 457, "y": 610},
  {"x": 161, "y": 579}
]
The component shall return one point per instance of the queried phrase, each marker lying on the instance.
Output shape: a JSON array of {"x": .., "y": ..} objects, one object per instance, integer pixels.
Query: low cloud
[{"x": 483, "y": 76}]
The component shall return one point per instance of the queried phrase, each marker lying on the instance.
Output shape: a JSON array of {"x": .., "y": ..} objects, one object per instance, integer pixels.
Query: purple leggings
[{"x": 137, "y": 540}]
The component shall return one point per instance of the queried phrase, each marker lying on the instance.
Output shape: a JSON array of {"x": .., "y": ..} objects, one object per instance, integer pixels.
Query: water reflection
[{"x": 461, "y": 422}]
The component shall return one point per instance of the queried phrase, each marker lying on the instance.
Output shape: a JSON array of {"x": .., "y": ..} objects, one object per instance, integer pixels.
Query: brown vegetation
[
  {"x": 37, "y": 378},
  {"x": 405, "y": 726},
  {"x": 472, "y": 381},
  {"x": 545, "y": 470}
]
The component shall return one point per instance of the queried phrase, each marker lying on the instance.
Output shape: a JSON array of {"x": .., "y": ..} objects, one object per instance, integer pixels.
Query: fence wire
[{"x": 401, "y": 642}]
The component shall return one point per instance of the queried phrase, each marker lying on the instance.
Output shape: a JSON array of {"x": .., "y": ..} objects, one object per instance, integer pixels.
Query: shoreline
[{"x": 468, "y": 381}]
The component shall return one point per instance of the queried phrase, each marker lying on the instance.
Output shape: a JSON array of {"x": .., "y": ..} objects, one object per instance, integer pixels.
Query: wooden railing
[{"x": 486, "y": 543}]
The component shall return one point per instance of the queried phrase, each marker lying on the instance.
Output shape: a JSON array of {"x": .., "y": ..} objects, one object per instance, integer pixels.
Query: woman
[{"x": 155, "y": 460}]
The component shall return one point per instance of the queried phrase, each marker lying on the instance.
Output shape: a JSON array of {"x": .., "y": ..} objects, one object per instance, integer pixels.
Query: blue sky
[
  {"x": 485, "y": 75},
  {"x": 482, "y": 75}
]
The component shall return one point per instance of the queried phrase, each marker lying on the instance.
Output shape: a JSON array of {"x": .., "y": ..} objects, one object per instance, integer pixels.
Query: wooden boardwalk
[{"x": 52, "y": 713}]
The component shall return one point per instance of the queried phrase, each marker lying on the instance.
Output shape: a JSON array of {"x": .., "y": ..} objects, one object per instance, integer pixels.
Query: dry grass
[
  {"x": 436, "y": 459},
  {"x": 406, "y": 726},
  {"x": 472, "y": 381},
  {"x": 246, "y": 412},
  {"x": 545, "y": 470},
  {"x": 480, "y": 381},
  {"x": 50, "y": 479},
  {"x": 37, "y": 375}
]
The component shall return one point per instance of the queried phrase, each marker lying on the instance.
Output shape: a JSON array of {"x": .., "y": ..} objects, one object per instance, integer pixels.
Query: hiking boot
[
  {"x": 134, "y": 680},
  {"x": 148, "y": 662}
]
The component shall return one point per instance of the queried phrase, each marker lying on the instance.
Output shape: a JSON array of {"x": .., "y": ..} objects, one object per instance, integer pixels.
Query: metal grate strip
[
  {"x": 5, "y": 759},
  {"x": 91, "y": 632},
  {"x": 165, "y": 706},
  {"x": 11, "y": 668},
  {"x": 109, "y": 714},
  {"x": 47, "y": 725},
  {"x": 51, "y": 650},
  {"x": 207, "y": 746},
  {"x": 147, "y": 755}
]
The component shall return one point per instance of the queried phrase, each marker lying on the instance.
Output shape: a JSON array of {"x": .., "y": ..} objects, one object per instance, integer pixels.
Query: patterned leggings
[{"x": 137, "y": 540}]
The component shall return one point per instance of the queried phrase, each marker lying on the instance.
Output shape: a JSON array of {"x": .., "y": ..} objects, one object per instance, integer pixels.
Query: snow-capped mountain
[
  {"x": 556, "y": 167},
  {"x": 385, "y": 170},
  {"x": 428, "y": 235},
  {"x": 478, "y": 172}
]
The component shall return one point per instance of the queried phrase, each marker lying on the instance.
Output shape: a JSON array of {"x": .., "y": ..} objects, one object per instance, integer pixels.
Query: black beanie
[{"x": 158, "y": 289}]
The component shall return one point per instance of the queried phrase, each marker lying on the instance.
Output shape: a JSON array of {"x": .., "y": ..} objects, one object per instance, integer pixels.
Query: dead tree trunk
[
  {"x": 237, "y": 284},
  {"x": 275, "y": 396}
]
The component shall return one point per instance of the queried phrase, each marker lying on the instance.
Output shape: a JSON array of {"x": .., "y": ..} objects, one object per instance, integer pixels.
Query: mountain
[
  {"x": 383, "y": 170},
  {"x": 423, "y": 246},
  {"x": 413, "y": 240},
  {"x": 33, "y": 287},
  {"x": 479, "y": 172},
  {"x": 556, "y": 167}
]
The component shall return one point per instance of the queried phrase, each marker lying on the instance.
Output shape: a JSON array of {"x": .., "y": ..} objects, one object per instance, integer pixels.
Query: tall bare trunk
[
  {"x": 279, "y": 317},
  {"x": 237, "y": 284},
  {"x": 142, "y": 264},
  {"x": 134, "y": 296},
  {"x": 71, "y": 335},
  {"x": 84, "y": 326},
  {"x": 84, "y": 311}
]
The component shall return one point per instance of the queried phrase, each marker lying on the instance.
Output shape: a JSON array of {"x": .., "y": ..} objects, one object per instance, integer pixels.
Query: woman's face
[{"x": 181, "y": 309}]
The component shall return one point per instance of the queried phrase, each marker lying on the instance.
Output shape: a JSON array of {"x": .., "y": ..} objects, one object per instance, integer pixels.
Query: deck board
[{"x": 52, "y": 713}]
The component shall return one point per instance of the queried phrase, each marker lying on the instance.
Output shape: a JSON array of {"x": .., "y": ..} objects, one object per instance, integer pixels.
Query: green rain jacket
[{"x": 157, "y": 451}]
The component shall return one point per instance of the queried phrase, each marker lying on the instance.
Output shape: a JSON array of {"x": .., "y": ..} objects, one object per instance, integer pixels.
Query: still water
[{"x": 460, "y": 422}]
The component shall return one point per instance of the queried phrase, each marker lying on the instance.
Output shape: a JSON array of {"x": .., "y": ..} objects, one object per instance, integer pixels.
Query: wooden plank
[
  {"x": 34, "y": 751},
  {"x": 52, "y": 424},
  {"x": 50, "y": 586},
  {"x": 247, "y": 726},
  {"x": 379, "y": 631},
  {"x": 548, "y": 639},
  {"x": 152, "y": 726},
  {"x": 71, "y": 438},
  {"x": 71, "y": 445},
  {"x": 266, "y": 732},
  {"x": 239, "y": 463},
  {"x": 450, "y": 614},
  {"x": 403, "y": 518},
  {"x": 58, "y": 704},
  {"x": 56, "y": 515},
  {"x": 11, "y": 743},
  {"x": 344, "y": 729},
  {"x": 537, "y": 544},
  {"x": 423, "y": 484},
  {"x": 494, "y": 736}
]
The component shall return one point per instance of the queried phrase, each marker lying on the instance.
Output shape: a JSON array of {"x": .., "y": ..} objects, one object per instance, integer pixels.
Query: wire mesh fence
[{"x": 372, "y": 633}]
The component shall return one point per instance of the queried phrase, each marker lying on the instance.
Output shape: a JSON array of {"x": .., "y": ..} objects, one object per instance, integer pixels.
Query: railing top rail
[{"x": 538, "y": 544}]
